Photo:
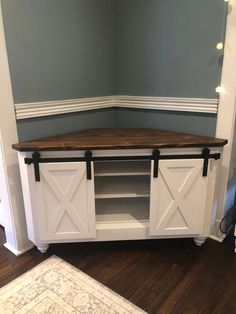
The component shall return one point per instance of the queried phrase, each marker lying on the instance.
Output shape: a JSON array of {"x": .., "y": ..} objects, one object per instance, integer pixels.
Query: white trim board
[
  {"x": 48, "y": 108},
  {"x": 10, "y": 187},
  {"x": 226, "y": 123},
  {"x": 18, "y": 252}
]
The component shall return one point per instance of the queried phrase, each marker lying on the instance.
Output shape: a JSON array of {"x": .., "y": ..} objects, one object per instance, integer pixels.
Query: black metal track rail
[{"x": 88, "y": 158}]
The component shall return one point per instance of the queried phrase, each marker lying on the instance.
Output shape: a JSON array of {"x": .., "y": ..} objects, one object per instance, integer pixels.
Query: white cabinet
[
  {"x": 123, "y": 200},
  {"x": 63, "y": 203},
  {"x": 178, "y": 198}
]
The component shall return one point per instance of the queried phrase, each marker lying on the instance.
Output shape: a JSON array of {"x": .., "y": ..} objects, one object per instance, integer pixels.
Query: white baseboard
[
  {"x": 216, "y": 238},
  {"x": 215, "y": 233},
  {"x": 47, "y": 108},
  {"x": 18, "y": 252}
]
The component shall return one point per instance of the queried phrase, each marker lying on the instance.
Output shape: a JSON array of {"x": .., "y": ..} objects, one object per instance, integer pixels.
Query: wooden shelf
[
  {"x": 116, "y": 213},
  {"x": 122, "y": 210},
  {"x": 122, "y": 187},
  {"x": 122, "y": 168}
]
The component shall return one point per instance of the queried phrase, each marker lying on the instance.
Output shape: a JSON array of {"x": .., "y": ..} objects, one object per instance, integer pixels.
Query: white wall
[
  {"x": 3, "y": 190},
  {"x": 1, "y": 214}
]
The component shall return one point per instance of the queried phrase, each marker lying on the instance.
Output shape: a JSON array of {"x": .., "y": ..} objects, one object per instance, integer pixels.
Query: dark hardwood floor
[{"x": 164, "y": 276}]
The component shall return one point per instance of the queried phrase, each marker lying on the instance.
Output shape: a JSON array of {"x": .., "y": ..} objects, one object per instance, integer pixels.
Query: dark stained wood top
[{"x": 119, "y": 139}]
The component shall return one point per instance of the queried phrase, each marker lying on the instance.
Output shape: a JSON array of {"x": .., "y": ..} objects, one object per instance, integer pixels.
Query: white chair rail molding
[{"x": 41, "y": 109}]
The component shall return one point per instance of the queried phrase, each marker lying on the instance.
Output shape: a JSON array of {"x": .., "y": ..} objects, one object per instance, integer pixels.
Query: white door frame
[
  {"x": 226, "y": 185},
  {"x": 3, "y": 186},
  {"x": 12, "y": 199}
]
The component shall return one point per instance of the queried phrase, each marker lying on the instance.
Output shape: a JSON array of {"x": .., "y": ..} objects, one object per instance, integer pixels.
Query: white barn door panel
[
  {"x": 178, "y": 198},
  {"x": 65, "y": 202}
]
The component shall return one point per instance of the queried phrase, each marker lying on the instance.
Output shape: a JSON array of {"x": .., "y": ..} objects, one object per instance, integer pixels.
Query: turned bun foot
[
  {"x": 43, "y": 247},
  {"x": 199, "y": 241}
]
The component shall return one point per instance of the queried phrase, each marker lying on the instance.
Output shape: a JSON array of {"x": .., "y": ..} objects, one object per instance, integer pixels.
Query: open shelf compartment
[
  {"x": 122, "y": 187},
  {"x": 122, "y": 168},
  {"x": 122, "y": 211}
]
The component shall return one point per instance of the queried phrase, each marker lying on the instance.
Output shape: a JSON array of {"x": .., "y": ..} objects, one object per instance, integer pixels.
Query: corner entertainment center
[{"x": 118, "y": 184}]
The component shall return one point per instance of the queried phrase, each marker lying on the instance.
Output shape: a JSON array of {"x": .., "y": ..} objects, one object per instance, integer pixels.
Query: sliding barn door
[
  {"x": 178, "y": 198},
  {"x": 64, "y": 202}
]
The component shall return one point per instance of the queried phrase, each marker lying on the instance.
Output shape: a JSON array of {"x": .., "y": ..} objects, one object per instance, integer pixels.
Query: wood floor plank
[{"x": 160, "y": 276}]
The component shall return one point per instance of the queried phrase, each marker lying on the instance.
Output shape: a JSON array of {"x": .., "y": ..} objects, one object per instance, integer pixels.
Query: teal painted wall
[
  {"x": 196, "y": 123},
  {"x": 48, "y": 126},
  {"x": 59, "y": 49},
  {"x": 168, "y": 48},
  {"x": 202, "y": 124}
]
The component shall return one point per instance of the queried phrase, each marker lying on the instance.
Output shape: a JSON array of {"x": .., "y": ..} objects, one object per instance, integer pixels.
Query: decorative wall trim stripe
[
  {"x": 168, "y": 103},
  {"x": 48, "y": 108}
]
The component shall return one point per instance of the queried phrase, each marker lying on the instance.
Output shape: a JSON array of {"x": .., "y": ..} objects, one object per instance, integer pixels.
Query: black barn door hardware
[
  {"x": 88, "y": 158},
  {"x": 205, "y": 154},
  {"x": 156, "y": 156},
  {"x": 36, "y": 160}
]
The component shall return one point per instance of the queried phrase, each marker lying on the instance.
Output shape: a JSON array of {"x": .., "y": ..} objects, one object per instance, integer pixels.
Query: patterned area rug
[{"x": 55, "y": 286}]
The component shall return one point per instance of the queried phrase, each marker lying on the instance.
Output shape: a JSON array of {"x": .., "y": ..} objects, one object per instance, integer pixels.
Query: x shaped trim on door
[
  {"x": 65, "y": 198},
  {"x": 178, "y": 195}
]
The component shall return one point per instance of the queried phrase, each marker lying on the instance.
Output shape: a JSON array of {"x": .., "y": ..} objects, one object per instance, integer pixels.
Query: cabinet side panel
[
  {"x": 211, "y": 203},
  {"x": 26, "y": 180}
]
